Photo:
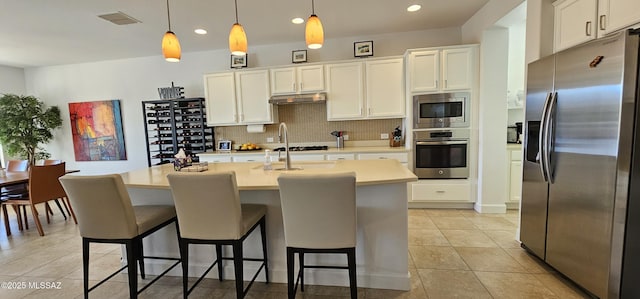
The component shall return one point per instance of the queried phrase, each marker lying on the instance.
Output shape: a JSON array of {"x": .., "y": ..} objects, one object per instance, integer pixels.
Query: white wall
[
  {"x": 486, "y": 17},
  {"x": 12, "y": 80},
  {"x": 137, "y": 79}
]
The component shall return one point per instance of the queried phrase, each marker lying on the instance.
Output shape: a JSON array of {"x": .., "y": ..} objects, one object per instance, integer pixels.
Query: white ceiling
[{"x": 53, "y": 32}]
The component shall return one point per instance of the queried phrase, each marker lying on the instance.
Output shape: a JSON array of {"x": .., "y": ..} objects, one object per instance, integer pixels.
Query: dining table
[{"x": 20, "y": 177}]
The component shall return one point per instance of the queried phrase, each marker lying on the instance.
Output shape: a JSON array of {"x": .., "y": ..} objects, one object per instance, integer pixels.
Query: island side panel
[{"x": 382, "y": 248}]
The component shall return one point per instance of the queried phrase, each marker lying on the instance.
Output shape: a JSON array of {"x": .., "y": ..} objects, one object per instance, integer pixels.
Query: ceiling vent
[{"x": 119, "y": 18}]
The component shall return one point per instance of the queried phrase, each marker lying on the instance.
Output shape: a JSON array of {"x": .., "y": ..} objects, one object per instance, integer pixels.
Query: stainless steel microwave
[{"x": 442, "y": 110}]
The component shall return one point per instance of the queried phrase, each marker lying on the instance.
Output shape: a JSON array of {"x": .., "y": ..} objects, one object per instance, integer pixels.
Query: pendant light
[
  {"x": 170, "y": 44},
  {"x": 237, "y": 37},
  {"x": 314, "y": 34}
]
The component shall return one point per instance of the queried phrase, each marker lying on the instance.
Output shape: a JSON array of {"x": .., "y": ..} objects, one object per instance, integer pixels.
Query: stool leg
[
  {"x": 140, "y": 254},
  {"x": 238, "y": 268},
  {"x": 184, "y": 255},
  {"x": 264, "y": 248},
  {"x": 219, "y": 253},
  {"x": 85, "y": 267},
  {"x": 132, "y": 268},
  {"x": 301, "y": 258},
  {"x": 351, "y": 258},
  {"x": 290, "y": 284}
]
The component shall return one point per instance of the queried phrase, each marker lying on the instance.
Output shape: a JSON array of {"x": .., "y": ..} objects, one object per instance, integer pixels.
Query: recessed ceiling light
[
  {"x": 200, "y": 31},
  {"x": 414, "y": 7},
  {"x": 297, "y": 20}
]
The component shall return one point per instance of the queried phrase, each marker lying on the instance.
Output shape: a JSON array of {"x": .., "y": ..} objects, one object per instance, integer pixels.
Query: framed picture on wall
[
  {"x": 299, "y": 56},
  {"x": 238, "y": 61},
  {"x": 363, "y": 49}
]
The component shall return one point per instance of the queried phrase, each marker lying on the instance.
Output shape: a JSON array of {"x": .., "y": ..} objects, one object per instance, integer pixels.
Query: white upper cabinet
[
  {"x": 424, "y": 70},
  {"x": 303, "y": 79},
  {"x": 617, "y": 14},
  {"x": 365, "y": 90},
  {"x": 238, "y": 98},
  {"x": 440, "y": 70},
  {"x": 578, "y": 21},
  {"x": 345, "y": 91},
  {"x": 220, "y": 91},
  {"x": 575, "y": 22},
  {"x": 384, "y": 88}
]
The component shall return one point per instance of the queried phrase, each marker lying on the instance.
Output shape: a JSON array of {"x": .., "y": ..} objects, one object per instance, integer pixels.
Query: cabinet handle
[
  {"x": 301, "y": 86},
  {"x": 294, "y": 86},
  {"x": 369, "y": 111},
  {"x": 361, "y": 111},
  {"x": 445, "y": 83},
  {"x": 587, "y": 28},
  {"x": 603, "y": 19},
  {"x": 382, "y": 158},
  {"x": 241, "y": 117},
  {"x": 436, "y": 83},
  {"x": 439, "y": 191}
]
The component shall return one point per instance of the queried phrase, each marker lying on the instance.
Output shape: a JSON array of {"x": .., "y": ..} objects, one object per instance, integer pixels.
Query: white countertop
[
  {"x": 514, "y": 146},
  {"x": 251, "y": 176},
  {"x": 330, "y": 150}
]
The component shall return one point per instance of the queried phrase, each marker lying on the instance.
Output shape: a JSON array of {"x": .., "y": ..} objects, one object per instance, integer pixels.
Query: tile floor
[{"x": 453, "y": 254}]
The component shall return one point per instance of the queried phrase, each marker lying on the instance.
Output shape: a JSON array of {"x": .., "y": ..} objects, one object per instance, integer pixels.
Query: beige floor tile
[
  {"x": 421, "y": 222},
  {"x": 504, "y": 238},
  {"x": 530, "y": 263},
  {"x": 493, "y": 223},
  {"x": 514, "y": 285},
  {"x": 417, "y": 290},
  {"x": 417, "y": 212},
  {"x": 560, "y": 287},
  {"x": 489, "y": 259},
  {"x": 452, "y": 284},
  {"x": 468, "y": 238},
  {"x": 444, "y": 212},
  {"x": 14, "y": 287},
  {"x": 427, "y": 237},
  {"x": 437, "y": 257},
  {"x": 452, "y": 222},
  {"x": 58, "y": 268}
]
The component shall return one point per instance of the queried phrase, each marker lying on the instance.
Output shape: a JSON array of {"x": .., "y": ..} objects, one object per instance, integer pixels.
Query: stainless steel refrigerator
[{"x": 580, "y": 209}]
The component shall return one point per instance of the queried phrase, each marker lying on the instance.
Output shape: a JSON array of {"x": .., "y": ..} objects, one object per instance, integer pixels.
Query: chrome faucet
[{"x": 287, "y": 162}]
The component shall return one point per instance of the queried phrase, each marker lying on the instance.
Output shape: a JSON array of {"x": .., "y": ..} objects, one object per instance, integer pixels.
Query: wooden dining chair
[
  {"x": 66, "y": 204},
  {"x": 43, "y": 187},
  {"x": 14, "y": 191}
]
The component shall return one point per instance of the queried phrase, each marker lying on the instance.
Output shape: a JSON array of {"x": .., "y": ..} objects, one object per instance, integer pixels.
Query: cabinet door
[
  {"x": 345, "y": 91},
  {"x": 283, "y": 80},
  {"x": 515, "y": 188},
  {"x": 220, "y": 95},
  {"x": 456, "y": 69},
  {"x": 311, "y": 78},
  {"x": 253, "y": 97},
  {"x": 574, "y": 23},
  {"x": 385, "y": 88},
  {"x": 424, "y": 70},
  {"x": 619, "y": 14}
]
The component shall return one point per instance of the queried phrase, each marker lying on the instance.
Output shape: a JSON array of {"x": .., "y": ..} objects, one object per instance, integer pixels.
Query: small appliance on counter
[
  {"x": 512, "y": 134},
  {"x": 395, "y": 139},
  {"x": 339, "y": 138}
]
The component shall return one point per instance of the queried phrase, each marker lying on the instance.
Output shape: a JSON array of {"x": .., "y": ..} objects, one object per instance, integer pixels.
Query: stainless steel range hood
[{"x": 319, "y": 97}]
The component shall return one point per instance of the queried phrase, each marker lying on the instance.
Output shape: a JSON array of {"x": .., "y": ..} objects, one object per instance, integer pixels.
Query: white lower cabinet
[
  {"x": 215, "y": 158},
  {"x": 403, "y": 158},
  {"x": 305, "y": 157},
  {"x": 441, "y": 191},
  {"x": 334, "y": 157},
  {"x": 248, "y": 158},
  {"x": 514, "y": 165}
]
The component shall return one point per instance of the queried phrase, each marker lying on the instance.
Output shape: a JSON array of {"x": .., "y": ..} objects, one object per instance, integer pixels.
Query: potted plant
[{"x": 25, "y": 123}]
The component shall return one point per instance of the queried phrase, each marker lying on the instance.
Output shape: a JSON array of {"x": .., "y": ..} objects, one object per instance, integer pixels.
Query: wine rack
[{"x": 173, "y": 124}]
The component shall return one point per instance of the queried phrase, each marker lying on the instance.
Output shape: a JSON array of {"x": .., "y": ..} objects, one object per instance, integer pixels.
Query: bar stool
[
  {"x": 319, "y": 215},
  {"x": 106, "y": 215},
  {"x": 209, "y": 212}
]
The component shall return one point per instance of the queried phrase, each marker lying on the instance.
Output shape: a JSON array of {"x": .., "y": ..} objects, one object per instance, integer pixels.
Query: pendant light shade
[
  {"x": 314, "y": 34},
  {"x": 170, "y": 44},
  {"x": 237, "y": 37},
  {"x": 237, "y": 40},
  {"x": 171, "y": 47}
]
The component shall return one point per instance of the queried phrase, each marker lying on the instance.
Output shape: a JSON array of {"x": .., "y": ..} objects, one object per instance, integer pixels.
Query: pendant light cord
[
  {"x": 236, "y": 11},
  {"x": 168, "y": 17},
  {"x": 313, "y": 8}
]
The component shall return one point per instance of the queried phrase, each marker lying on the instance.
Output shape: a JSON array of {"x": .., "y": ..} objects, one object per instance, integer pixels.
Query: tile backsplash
[{"x": 308, "y": 123}]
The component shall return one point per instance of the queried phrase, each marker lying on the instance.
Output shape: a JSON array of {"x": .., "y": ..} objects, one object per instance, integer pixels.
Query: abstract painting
[{"x": 97, "y": 132}]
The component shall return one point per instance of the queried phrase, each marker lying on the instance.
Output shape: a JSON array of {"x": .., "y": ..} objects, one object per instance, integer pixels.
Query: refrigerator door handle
[
  {"x": 549, "y": 129},
  {"x": 541, "y": 157}
]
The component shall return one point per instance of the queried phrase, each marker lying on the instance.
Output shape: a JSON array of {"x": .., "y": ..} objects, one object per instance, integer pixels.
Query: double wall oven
[{"x": 441, "y": 136}]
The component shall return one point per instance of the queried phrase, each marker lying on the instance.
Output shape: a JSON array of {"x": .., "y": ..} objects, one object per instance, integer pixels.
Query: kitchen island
[{"x": 382, "y": 237}]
